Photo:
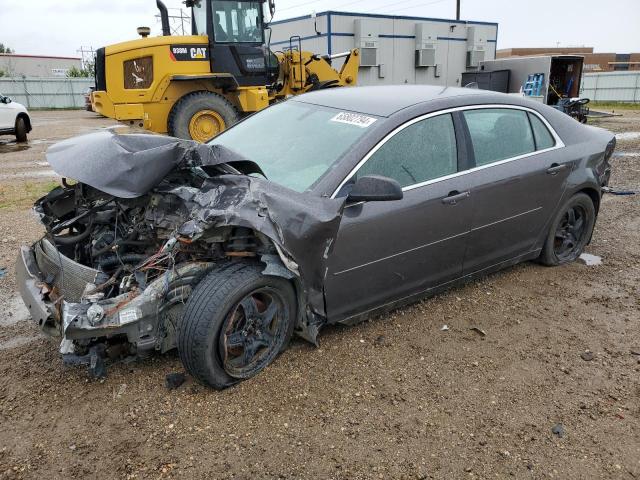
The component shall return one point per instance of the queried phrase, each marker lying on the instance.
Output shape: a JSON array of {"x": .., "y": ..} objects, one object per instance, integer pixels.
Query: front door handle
[
  {"x": 554, "y": 169},
  {"x": 454, "y": 197}
]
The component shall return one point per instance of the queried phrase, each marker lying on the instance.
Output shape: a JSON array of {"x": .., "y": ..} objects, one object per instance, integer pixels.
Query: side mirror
[
  {"x": 6, "y": 100},
  {"x": 375, "y": 188}
]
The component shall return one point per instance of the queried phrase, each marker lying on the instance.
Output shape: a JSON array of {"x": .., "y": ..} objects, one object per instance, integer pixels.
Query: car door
[
  {"x": 516, "y": 185},
  {"x": 385, "y": 251},
  {"x": 6, "y": 115}
]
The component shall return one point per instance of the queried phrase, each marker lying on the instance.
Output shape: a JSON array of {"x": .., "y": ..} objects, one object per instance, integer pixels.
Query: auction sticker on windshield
[{"x": 356, "y": 119}]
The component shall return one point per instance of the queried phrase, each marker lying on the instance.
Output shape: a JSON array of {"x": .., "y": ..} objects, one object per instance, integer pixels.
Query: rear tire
[
  {"x": 200, "y": 116},
  {"x": 570, "y": 231},
  {"x": 21, "y": 130},
  {"x": 235, "y": 323}
]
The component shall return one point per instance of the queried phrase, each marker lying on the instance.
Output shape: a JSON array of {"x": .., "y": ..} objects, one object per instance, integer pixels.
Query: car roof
[{"x": 385, "y": 100}]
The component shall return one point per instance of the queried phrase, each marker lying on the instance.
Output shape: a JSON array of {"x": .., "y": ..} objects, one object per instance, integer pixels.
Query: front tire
[
  {"x": 21, "y": 130},
  {"x": 570, "y": 231},
  {"x": 235, "y": 323},
  {"x": 200, "y": 116}
]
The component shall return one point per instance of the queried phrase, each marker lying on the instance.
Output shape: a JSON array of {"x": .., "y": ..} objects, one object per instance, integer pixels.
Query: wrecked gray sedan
[{"x": 322, "y": 209}]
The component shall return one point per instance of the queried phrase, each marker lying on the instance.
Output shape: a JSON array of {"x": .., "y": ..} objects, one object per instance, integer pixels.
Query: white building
[
  {"x": 394, "y": 49},
  {"x": 37, "y": 66}
]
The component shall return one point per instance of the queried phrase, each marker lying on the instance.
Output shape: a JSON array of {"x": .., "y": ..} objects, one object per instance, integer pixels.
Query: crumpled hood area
[
  {"x": 301, "y": 225},
  {"x": 128, "y": 166}
]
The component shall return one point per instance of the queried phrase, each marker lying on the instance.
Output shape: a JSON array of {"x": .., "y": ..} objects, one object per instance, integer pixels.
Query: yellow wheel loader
[{"x": 196, "y": 86}]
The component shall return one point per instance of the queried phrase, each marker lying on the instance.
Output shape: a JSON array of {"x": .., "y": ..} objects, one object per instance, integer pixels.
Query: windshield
[
  {"x": 295, "y": 143},
  {"x": 235, "y": 21}
]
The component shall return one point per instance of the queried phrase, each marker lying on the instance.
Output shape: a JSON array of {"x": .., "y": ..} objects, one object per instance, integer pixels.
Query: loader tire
[{"x": 200, "y": 116}]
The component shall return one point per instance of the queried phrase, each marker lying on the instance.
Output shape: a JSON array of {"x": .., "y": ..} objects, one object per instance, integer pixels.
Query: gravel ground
[{"x": 397, "y": 397}]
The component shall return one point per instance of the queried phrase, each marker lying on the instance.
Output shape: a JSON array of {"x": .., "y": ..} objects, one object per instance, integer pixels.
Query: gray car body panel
[
  {"x": 512, "y": 206},
  {"x": 415, "y": 246},
  {"x": 571, "y": 132}
]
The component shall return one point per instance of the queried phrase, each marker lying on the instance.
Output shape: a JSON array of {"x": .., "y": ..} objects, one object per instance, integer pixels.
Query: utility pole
[
  {"x": 457, "y": 9},
  {"x": 88, "y": 55}
]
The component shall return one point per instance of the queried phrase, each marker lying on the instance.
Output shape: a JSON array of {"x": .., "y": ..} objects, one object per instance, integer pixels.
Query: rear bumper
[
  {"x": 103, "y": 104},
  {"x": 130, "y": 113}
]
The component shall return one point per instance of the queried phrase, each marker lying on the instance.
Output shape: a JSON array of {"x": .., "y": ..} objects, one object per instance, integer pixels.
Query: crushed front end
[
  {"x": 148, "y": 218},
  {"x": 112, "y": 271}
]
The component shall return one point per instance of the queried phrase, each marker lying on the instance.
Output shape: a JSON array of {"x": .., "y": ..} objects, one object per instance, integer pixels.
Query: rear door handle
[
  {"x": 554, "y": 169},
  {"x": 454, "y": 197}
]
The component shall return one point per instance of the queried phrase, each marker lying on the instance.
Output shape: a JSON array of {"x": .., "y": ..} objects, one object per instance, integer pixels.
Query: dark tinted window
[
  {"x": 543, "y": 137},
  {"x": 423, "y": 151},
  {"x": 498, "y": 134}
]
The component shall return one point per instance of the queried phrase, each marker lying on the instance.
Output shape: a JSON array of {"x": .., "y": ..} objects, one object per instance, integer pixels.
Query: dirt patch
[{"x": 397, "y": 397}]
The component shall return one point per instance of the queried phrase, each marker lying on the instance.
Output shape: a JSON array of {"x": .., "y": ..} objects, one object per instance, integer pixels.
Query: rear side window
[
  {"x": 498, "y": 134},
  {"x": 423, "y": 151},
  {"x": 541, "y": 133}
]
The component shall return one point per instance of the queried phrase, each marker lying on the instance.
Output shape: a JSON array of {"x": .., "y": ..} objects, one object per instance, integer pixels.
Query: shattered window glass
[
  {"x": 295, "y": 143},
  {"x": 498, "y": 134},
  {"x": 423, "y": 151}
]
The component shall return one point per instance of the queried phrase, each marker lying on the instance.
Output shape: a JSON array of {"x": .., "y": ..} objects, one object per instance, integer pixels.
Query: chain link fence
[{"x": 44, "y": 93}]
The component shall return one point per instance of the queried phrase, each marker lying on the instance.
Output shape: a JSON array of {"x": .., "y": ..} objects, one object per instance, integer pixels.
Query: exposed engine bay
[{"x": 115, "y": 268}]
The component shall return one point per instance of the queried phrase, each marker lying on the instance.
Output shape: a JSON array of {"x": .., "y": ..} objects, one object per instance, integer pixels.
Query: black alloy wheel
[
  {"x": 570, "y": 231},
  {"x": 250, "y": 334},
  {"x": 235, "y": 323}
]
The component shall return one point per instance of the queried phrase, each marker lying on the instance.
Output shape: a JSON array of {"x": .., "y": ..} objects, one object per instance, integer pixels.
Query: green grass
[
  {"x": 18, "y": 195},
  {"x": 614, "y": 106}
]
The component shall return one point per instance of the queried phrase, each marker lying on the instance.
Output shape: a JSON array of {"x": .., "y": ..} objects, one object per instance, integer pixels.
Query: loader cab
[{"x": 236, "y": 38}]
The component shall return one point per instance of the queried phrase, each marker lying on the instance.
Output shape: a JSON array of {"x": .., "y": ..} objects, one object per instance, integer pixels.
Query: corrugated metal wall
[
  {"x": 611, "y": 86},
  {"x": 35, "y": 92},
  {"x": 334, "y": 32}
]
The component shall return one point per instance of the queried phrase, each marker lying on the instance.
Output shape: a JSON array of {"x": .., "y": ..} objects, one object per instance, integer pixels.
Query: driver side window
[{"x": 423, "y": 151}]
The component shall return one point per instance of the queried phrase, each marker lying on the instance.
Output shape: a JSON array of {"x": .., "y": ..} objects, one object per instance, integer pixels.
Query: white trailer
[{"x": 562, "y": 75}]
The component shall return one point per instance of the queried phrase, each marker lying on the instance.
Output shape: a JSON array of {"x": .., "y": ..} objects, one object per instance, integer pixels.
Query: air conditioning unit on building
[
  {"x": 476, "y": 46},
  {"x": 426, "y": 57},
  {"x": 475, "y": 56},
  {"x": 368, "y": 57},
  {"x": 367, "y": 40},
  {"x": 426, "y": 46}
]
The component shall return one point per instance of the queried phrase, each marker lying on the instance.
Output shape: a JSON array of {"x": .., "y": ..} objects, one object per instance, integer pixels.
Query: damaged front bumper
[
  {"x": 72, "y": 312},
  {"x": 34, "y": 290}
]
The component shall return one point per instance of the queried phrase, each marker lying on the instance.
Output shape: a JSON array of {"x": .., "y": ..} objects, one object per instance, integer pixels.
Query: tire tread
[
  {"x": 547, "y": 256},
  {"x": 174, "y": 119},
  {"x": 195, "y": 329}
]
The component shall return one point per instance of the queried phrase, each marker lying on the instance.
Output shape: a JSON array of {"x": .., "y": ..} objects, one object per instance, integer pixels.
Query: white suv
[{"x": 14, "y": 119}]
